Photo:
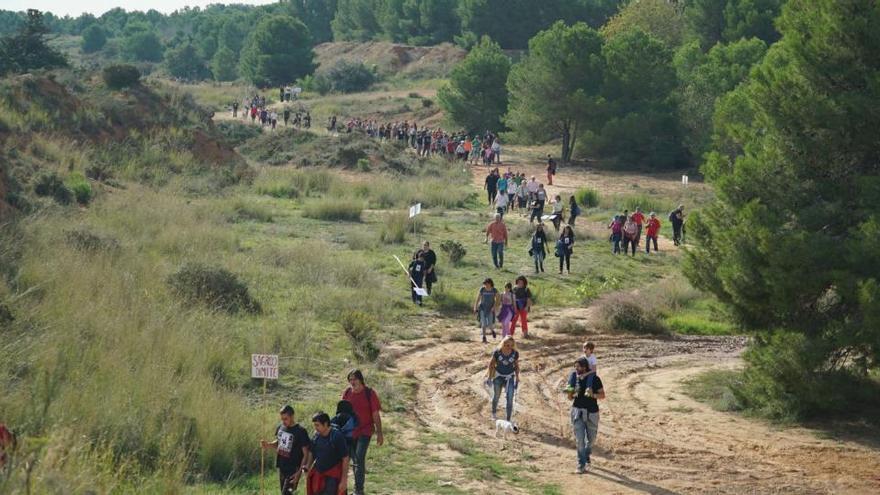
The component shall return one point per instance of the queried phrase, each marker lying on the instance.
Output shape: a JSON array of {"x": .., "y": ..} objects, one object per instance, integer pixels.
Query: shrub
[
  {"x": 80, "y": 187},
  {"x": 84, "y": 240},
  {"x": 236, "y": 133},
  {"x": 242, "y": 212},
  {"x": 570, "y": 327},
  {"x": 99, "y": 172},
  {"x": 587, "y": 198},
  {"x": 646, "y": 203},
  {"x": 414, "y": 95},
  {"x": 363, "y": 165},
  {"x": 215, "y": 287},
  {"x": 50, "y": 184},
  {"x": 349, "y": 76},
  {"x": 121, "y": 76},
  {"x": 618, "y": 312},
  {"x": 334, "y": 209},
  {"x": 395, "y": 228},
  {"x": 361, "y": 328},
  {"x": 453, "y": 250},
  {"x": 427, "y": 102}
]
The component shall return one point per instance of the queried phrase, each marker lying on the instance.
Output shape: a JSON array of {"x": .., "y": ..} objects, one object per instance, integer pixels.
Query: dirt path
[{"x": 653, "y": 438}]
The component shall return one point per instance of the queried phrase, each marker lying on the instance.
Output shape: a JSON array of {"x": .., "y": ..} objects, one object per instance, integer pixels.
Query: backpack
[
  {"x": 630, "y": 229},
  {"x": 672, "y": 216}
]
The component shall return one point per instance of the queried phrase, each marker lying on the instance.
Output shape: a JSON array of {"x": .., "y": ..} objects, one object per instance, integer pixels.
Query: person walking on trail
[
  {"x": 328, "y": 460},
  {"x": 501, "y": 184},
  {"x": 417, "y": 276},
  {"x": 505, "y": 316},
  {"x": 522, "y": 197},
  {"x": 501, "y": 203},
  {"x": 532, "y": 187},
  {"x": 551, "y": 169},
  {"x": 430, "y": 258},
  {"x": 565, "y": 247},
  {"x": 485, "y": 306},
  {"x": 584, "y": 390},
  {"x": 523, "y": 300},
  {"x": 651, "y": 232},
  {"x": 616, "y": 227},
  {"x": 558, "y": 215},
  {"x": 574, "y": 210},
  {"x": 497, "y": 232},
  {"x": 676, "y": 218},
  {"x": 234, "y": 109},
  {"x": 540, "y": 197},
  {"x": 367, "y": 409},
  {"x": 307, "y": 120},
  {"x": 639, "y": 218},
  {"x": 630, "y": 233},
  {"x": 504, "y": 373},
  {"x": 538, "y": 249},
  {"x": 286, "y": 116},
  {"x": 345, "y": 421},
  {"x": 491, "y": 186},
  {"x": 496, "y": 150},
  {"x": 291, "y": 446}
]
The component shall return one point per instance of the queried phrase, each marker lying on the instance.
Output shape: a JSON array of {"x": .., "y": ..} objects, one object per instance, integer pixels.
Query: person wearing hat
[
  {"x": 651, "y": 231},
  {"x": 677, "y": 220}
]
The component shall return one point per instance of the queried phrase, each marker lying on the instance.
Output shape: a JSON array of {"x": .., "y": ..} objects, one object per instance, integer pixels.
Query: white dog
[{"x": 505, "y": 426}]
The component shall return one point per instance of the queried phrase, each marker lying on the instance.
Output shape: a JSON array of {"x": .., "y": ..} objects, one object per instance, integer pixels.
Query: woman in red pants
[{"x": 523, "y": 304}]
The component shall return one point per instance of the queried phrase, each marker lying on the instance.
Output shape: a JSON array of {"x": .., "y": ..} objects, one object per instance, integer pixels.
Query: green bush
[
  {"x": 80, "y": 187},
  {"x": 363, "y": 165},
  {"x": 215, "y": 287},
  {"x": 243, "y": 212},
  {"x": 236, "y": 133},
  {"x": 121, "y": 76},
  {"x": 619, "y": 312},
  {"x": 427, "y": 102},
  {"x": 395, "y": 228},
  {"x": 570, "y": 327},
  {"x": 453, "y": 250},
  {"x": 334, "y": 209},
  {"x": 645, "y": 202},
  {"x": 587, "y": 198},
  {"x": 361, "y": 328},
  {"x": 414, "y": 95},
  {"x": 50, "y": 184},
  {"x": 349, "y": 76}
]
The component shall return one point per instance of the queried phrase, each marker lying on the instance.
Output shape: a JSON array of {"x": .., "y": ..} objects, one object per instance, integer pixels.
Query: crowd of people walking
[{"x": 257, "y": 109}]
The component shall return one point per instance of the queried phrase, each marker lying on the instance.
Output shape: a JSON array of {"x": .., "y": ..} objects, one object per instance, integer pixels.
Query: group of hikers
[
  {"x": 509, "y": 307},
  {"x": 255, "y": 107},
  {"x": 337, "y": 443},
  {"x": 341, "y": 443},
  {"x": 511, "y": 191},
  {"x": 583, "y": 387},
  {"x": 426, "y": 141},
  {"x": 626, "y": 230}
]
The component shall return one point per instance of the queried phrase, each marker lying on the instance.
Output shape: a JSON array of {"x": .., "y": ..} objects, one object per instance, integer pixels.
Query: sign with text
[
  {"x": 264, "y": 366},
  {"x": 415, "y": 209}
]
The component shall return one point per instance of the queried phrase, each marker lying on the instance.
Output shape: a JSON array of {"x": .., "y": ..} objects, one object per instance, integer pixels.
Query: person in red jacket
[
  {"x": 639, "y": 218},
  {"x": 652, "y": 231},
  {"x": 368, "y": 409}
]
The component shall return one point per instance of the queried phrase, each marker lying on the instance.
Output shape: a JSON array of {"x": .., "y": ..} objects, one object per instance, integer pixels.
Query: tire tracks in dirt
[{"x": 652, "y": 437}]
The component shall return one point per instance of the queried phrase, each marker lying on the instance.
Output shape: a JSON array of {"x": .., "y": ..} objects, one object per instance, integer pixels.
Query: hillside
[{"x": 393, "y": 58}]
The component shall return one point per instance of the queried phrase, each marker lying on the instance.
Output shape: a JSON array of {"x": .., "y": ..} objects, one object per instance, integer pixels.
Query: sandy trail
[{"x": 652, "y": 439}]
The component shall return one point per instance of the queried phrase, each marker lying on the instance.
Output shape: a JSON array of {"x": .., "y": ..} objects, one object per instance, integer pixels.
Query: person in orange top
[
  {"x": 652, "y": 231},
  {"x": 468, "y": 147},
  {"x": 498, "y": 232}
]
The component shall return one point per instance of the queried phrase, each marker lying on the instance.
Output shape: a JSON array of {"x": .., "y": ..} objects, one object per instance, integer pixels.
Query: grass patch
[
  {"x": 328, "y": 209},
  {"x": 716, "y": 388}
]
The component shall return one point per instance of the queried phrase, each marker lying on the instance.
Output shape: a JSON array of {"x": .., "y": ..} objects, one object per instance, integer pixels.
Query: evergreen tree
[
  {"x": 555, "y": 91},
  {"x": 224, "y": 65},
  {"x": 277, "y": 51},
  {"x": 791, "y": 242},
  {"x": 141, "y": 43},
  {"x": 659, "y": 18},
  {"x": 93, "y": 38},
  {"x": 476, "y": 96},
  {"x": 356, "y": 20},
  {"x": 27, "y": 50},
  {"x": 186, "y": 62},
  {"x": 316, "y": 15}
]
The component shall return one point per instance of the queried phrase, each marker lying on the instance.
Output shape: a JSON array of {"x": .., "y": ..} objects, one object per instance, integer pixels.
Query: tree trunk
[{"x": 566, "y": 144}]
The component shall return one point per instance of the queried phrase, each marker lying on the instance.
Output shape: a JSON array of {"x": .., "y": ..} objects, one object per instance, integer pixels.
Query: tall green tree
[
  {"x": 316, "y": 15},
  {"x": 713, "y": 21},
  {"x": 224, "y": 65},
  {"x": 660, "y": 18},
  {"x": 704, "y": 78},
  {"x": 27, "y": 49},
  {"x": 476, "y": 96},
  {"x": 356, "y": 20},
  {"x": 185, "y": 61},
  {"x": 791, "y": 242},
  {"x": 278, "y": 51},
  {"x": 640, "y": 127},
  {"x": 555, "y": 91},
  {"x": 93, "y": 39},
  {"x": 141, "y": 43}
]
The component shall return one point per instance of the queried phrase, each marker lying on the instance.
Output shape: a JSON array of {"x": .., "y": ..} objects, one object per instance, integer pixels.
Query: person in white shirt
[{"x": 589, "y": 353}]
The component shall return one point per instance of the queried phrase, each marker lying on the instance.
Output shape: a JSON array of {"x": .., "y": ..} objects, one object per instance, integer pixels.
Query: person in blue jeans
[
  {"x": 497, "y": 232},
  {"x": 504, "y": 373},
  {"x": 367, "y": 409},
  {"x": 585, "y": 390}
]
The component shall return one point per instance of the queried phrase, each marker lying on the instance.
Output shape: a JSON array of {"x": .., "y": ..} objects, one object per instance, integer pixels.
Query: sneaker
[
  {"x": 580, "y": 470},
  {"x": 494, "y": 417},
  {"x": 587, "y": 467},
  {"x": 493, "y": 334},
  {"x": 485, "y": 341}
]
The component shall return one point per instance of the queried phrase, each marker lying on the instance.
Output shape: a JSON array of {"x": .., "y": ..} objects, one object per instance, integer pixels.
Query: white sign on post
[
  {"x": 684, "y": 180},
  {"x": 264, "y": 366},
  {"x": 415, "y": 209}
]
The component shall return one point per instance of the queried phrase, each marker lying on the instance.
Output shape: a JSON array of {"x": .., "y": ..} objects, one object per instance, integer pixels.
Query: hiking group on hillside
[{"x": 258, "y": 111}]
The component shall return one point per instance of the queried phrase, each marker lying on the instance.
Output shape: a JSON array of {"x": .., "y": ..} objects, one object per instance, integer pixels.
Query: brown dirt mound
[{"x": 392, "y": 58}]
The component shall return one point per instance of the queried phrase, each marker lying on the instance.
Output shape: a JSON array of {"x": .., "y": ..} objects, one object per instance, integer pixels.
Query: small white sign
[
  {"x": 264, "y": 366},
  {"x": 684, "y": 180},
  {"x": 297, "y": 90},
  {"x": 420, "y": 291},
  {"x": 415, "y": 209}
]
